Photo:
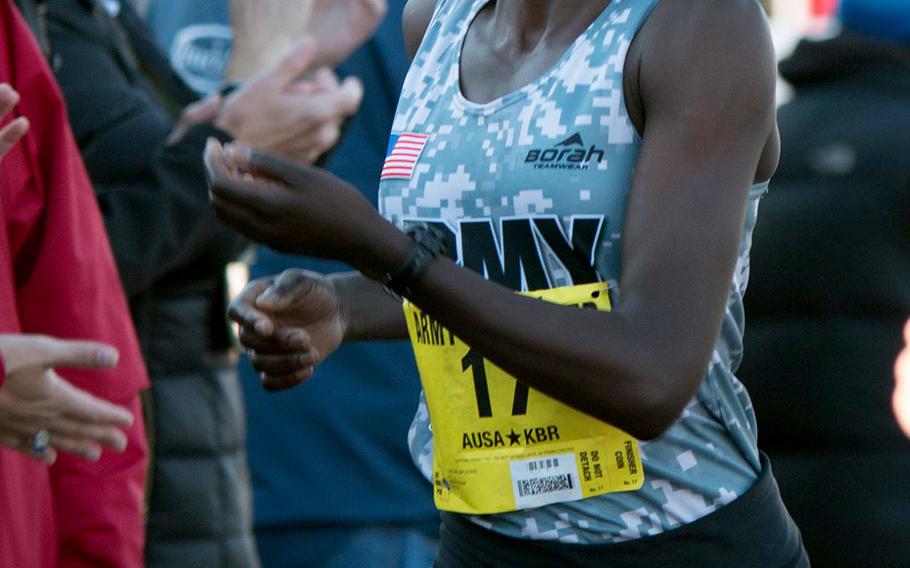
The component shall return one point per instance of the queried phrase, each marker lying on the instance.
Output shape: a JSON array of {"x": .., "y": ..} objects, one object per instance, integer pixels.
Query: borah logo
[{"x": 570, "y": 154}]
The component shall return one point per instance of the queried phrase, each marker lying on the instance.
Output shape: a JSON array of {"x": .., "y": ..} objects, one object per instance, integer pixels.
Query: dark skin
[
  {"x": 700, "y": 83},
  {"x": 526, "y": 38}
]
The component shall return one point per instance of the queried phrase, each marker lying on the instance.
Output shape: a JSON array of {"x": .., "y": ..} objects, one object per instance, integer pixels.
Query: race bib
[{"x": 501, "y": 446}]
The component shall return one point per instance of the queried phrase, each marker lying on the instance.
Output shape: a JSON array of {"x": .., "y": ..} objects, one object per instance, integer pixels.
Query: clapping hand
[
  {"x": 298, "y": 209},
  {"x": 299, "y": 119},
  {"x": 41, "y": 413},
  {"x": 289, "y": 324}
]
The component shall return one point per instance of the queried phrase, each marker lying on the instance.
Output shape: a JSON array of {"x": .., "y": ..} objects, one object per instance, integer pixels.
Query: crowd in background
[
  {"x": 110, "y": 237},
  {"x": 829, "y": 297}
]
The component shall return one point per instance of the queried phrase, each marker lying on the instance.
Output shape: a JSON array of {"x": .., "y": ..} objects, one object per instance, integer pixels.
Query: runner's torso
[{"x": 532, "y": 189}]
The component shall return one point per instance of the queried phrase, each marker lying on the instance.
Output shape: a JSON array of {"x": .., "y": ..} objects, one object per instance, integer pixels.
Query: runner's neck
[{"x": 522, "y": 26}]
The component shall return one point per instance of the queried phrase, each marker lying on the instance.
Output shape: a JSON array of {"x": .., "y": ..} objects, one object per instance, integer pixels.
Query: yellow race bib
[{"x": 501, "y": 446}]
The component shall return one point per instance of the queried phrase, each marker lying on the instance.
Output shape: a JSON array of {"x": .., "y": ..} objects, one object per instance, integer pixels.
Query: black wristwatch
[{"x": 429, "y": 242}]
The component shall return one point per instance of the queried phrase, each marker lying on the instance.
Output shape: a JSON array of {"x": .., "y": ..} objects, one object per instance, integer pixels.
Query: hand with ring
[
  {"x": 41, "y": 413},
  {"x": 41, "y": 442}
]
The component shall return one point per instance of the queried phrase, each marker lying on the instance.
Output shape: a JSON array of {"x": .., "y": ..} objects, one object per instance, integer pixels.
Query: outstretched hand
[
  {"x": 295, "y": 208},
  {"x": 35, "y": 398},
  {"x": 16, "y": 129},
  {"x": 289, "y": 324}
]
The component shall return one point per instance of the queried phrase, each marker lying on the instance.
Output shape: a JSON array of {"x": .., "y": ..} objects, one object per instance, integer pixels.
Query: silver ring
[{"x": 41, "y": 442}]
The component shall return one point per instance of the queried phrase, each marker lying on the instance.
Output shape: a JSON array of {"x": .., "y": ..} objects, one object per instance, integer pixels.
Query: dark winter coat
[{"x": 829, "y": 294}]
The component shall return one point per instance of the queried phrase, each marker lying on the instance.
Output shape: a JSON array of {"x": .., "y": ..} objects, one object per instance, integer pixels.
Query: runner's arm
[
  {"x": 707, "y": 84},
  {"x": 370, "y": 311}
]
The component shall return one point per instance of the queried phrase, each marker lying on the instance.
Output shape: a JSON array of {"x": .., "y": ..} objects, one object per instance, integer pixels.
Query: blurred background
[
  {"x": 242, "y": 478},
  {"x": 830, "y": 264}
]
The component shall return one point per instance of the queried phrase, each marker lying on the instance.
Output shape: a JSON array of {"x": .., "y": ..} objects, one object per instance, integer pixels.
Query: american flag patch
[{"x": 404, "y": 151}]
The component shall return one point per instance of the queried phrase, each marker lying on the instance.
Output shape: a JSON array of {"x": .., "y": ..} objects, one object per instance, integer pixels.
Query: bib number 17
[{"x": 477, "y": 364}]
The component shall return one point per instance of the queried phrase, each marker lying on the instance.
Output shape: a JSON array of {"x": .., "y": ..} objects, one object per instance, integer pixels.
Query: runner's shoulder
[
  {"x": 704, "y": 49},
  {"x": 732, "y": 13},
  {"x": 709, "y": 29},
  {"x": 416, "y": 18}
]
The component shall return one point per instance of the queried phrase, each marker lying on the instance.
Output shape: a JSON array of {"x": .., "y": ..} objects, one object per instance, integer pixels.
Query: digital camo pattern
[{"x": 532, "y": 190}]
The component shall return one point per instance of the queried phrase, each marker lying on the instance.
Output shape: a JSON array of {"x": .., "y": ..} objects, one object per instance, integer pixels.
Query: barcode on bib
[
  {"x": 552, "y": 484},
  {"x": 543, "y": 481}
]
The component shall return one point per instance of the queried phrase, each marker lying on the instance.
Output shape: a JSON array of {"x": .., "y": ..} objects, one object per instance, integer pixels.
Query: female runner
[{"x": 552, "y": 145}]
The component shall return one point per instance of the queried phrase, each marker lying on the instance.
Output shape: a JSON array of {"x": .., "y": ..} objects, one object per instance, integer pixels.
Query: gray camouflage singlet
[{"x": 532, "y": 190}]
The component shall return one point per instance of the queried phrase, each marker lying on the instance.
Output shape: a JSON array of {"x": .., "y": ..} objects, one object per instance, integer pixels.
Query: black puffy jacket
[
  {"x": 171, "y": 252},
  {"x": 829, "y": 294}
]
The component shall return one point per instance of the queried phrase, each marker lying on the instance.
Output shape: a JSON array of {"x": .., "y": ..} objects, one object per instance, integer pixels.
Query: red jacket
[{"x": 58, "y": 277}]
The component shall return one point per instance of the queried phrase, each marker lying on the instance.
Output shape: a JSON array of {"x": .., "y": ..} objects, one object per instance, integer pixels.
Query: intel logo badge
[{"x": 200, "y": 54}]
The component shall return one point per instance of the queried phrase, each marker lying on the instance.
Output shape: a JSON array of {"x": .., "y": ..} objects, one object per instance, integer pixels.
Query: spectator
[
  {"x": 57, "y": 277},
  {"x": 141, "y": 135},
  {"x": 830, "y": 295},
  {"x": 40, "y": 411},
  {"x": 305, "y": 513}
]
